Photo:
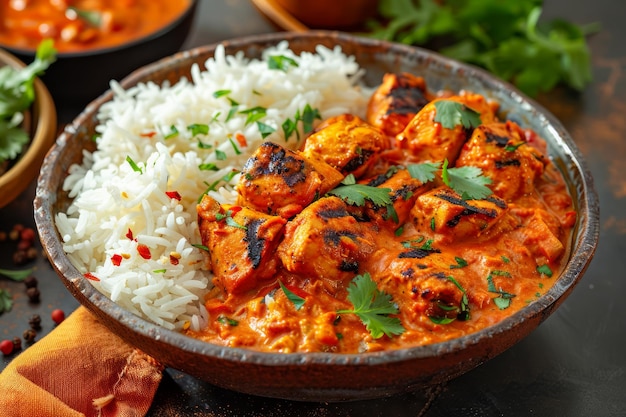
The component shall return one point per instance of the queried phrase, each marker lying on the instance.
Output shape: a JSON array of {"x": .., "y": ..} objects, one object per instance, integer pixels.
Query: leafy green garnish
[
  {"x": 505, "y": 37},
  {"x": 6, "y": 301},
  {"x": 91, "y": 17},
  {"x": 198, "y": 129},
  {"x": 297, "y": 301},
  {"x": 503, "y": 300},
  {"x": 228, "y": 218},
  {"x": 306, "y": 117},
  {"x": 356, "y": 194},
  {"x": 254, "y": 114},
  {"x": 16, "y": 275},
  {"x": 545, "y": 270},
  {"x": 17, "y": 93},
  {"x": 460, "y": 263},
  {"x": 133, "y": 164},
  {"x": 265, "y": 129},
  {"x": 281, "y": 62},
  {"x": 172, "y": 133},
  {"x": 373, "y": 307},
  {"x": 467, "y": 181},
  {"x": 220, "y": 93},
  {"x": 452, "y": 113}
]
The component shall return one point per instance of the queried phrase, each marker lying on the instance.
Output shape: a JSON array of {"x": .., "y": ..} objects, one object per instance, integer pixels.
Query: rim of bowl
[
  {"x": 110, "y": 49},
  {"x": 583, "y": 245},
  {"x": 42, "y": 135}
]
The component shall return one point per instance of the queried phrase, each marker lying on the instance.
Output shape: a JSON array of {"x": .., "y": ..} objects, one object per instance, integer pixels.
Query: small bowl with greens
[{"x": 27, "y": 120}]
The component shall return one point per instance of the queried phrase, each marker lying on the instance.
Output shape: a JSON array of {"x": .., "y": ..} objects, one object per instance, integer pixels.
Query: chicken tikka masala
[{"x": 430, "y": 219}]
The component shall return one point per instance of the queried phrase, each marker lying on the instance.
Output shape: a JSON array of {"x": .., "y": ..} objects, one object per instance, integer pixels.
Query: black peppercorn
[
  {"x": 20, "y": 257},
  {"x": 17, "y": 343},
  {"x": 33, "y": 294},
  {"x": 35, "y": 322},
  {"x": 29, "y": 335},
  {"x": 30, "y": 282}
]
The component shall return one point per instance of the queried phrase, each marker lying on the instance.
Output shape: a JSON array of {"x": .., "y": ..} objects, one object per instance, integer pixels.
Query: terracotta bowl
[
  {"x": 78, "y": 77},
  {"x": 40, "y": 122},
  {"x": 327, "y": 376}
]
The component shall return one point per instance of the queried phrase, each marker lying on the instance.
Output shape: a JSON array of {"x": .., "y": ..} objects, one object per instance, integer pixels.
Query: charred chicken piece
[
  {"x": 428, "y": 140},
  {"x": 347, "y": 143},
  {"x": 242, "y": 244},
  {"x": 443, "y": 214},
  {"x": 501, "y": 151},
  {"x": 394, "y": 103},
  {"x": 404, "y": 190},
  {"x": 325, "y": 242},
  {"x": 282, "y": 182}
]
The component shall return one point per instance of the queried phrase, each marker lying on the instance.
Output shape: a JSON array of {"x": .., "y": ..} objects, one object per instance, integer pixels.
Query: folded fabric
[{"x": 79, "y": 369}]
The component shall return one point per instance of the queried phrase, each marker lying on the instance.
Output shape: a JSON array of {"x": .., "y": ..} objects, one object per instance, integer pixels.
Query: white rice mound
[{"x": 119, "y": 191}]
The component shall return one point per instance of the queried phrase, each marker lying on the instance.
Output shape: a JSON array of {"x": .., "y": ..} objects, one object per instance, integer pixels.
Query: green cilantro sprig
[
  {"x": 373, "y": 307},
  {"x": 452, "y": 113},
  {"x": 297, "y": 301},
  {"x": 505, "y": 37},
  {"x": 467, "y": 181},
  {"x": 356, "y": 194},
  {"x": 17, "y": 93}
]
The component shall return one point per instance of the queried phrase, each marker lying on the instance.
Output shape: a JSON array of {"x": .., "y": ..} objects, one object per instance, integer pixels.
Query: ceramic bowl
[
  {"x": 76, "y": 78},
  {"x": 328, "y": 376},
  {"x": 40, "y": 122}
]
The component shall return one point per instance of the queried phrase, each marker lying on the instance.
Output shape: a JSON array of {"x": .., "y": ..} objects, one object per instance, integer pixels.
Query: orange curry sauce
[
  {"x": 79, "y": 25},
  {"x": 451, "y": 265}
]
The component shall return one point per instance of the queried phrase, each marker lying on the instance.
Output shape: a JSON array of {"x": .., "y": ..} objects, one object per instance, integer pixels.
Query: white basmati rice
[{"x": 118, "y": 206}]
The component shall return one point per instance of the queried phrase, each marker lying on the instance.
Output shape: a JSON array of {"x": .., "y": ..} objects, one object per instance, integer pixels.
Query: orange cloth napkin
[{"x": 80, "y": 369}]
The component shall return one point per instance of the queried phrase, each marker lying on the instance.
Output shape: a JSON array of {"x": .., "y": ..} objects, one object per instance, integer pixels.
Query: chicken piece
[
  {"x": 325, "y": 242},
  {"x": 501, "y": 151},
  {"x": 540, "y": 233},
  {"x": 347, "y": 143},
  {"x": 443, "y": 214},
  {"x": 282, "y": 182},
  {"x": 428, "y": 140},
  {"x": 403, "y": 191},
  {"x": 242, "y": 244},
  {"x": 394, "y": 103}
]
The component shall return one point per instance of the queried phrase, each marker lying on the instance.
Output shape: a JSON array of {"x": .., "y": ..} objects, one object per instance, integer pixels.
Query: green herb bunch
[
  {"x": 504, "y": 37},
  {"x": 17, "y": 93}
]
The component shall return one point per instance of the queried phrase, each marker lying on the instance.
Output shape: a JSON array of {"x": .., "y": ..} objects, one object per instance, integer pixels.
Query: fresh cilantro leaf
[
  {"x": 220, "y": 155},
  {"x": 281, "y": 62},
  {"x": 467, "y": 181},
  {"x": 452, "y": 113},
  {"x": 172, "y": 133},
  {"x": 356, "y": 194},
  {"x": 373, "y": 307},
  {"x": 198, "y": 129},
  {"x": 545, "y": 270},
  {"x": 297, "y": 301},
  {"x": 265, "y": 129},
  {"x": 502, "y": 303},
  {"x": 460, "y": 263},
  {"x": 228, "y": 218},
  {"x": 424, "y": 172},
  {"x": 17, "y": 93},
  {"x": 220, "y": 93},
  {"x": 254, "y": 114},
  {"x": 464, "y": 313}
]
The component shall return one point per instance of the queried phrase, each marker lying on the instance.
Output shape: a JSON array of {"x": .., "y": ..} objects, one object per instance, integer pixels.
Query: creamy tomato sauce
[
  {"x": 452, "y": 262},
  {"x": 78, "y": 25}
]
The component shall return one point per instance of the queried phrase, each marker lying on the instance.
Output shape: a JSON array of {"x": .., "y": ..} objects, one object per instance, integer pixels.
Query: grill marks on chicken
[{"x": 439, "y": 255}]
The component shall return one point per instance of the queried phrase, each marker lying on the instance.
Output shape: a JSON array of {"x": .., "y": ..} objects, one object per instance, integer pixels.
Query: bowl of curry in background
[
  {"x": 325, "y": 376},
  {"x": 40, "y": 124},
  {"x": 96, "y": 42}
]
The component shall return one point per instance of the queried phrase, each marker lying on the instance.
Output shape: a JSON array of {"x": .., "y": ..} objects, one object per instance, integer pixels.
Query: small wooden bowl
[{"x": 40, "y": 123}]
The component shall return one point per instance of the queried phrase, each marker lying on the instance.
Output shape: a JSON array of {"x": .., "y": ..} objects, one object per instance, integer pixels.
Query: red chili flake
[
  {"x": 91, "y": 276},
  {"x": 173, "y": 194},
  {"x": 147, "y": 134},
  {"x": 144, "y": 251},
  {"x": 116, "y": 259},
  {"x": 129, "y": 234},
  {"x": 241, "y": 139},
  {"x": 174, "y": 260},
  {"x": 234, "y": 210}
]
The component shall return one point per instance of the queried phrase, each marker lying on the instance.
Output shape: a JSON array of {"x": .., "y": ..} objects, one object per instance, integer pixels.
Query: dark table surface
[{"x": 574, "y": 364}]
